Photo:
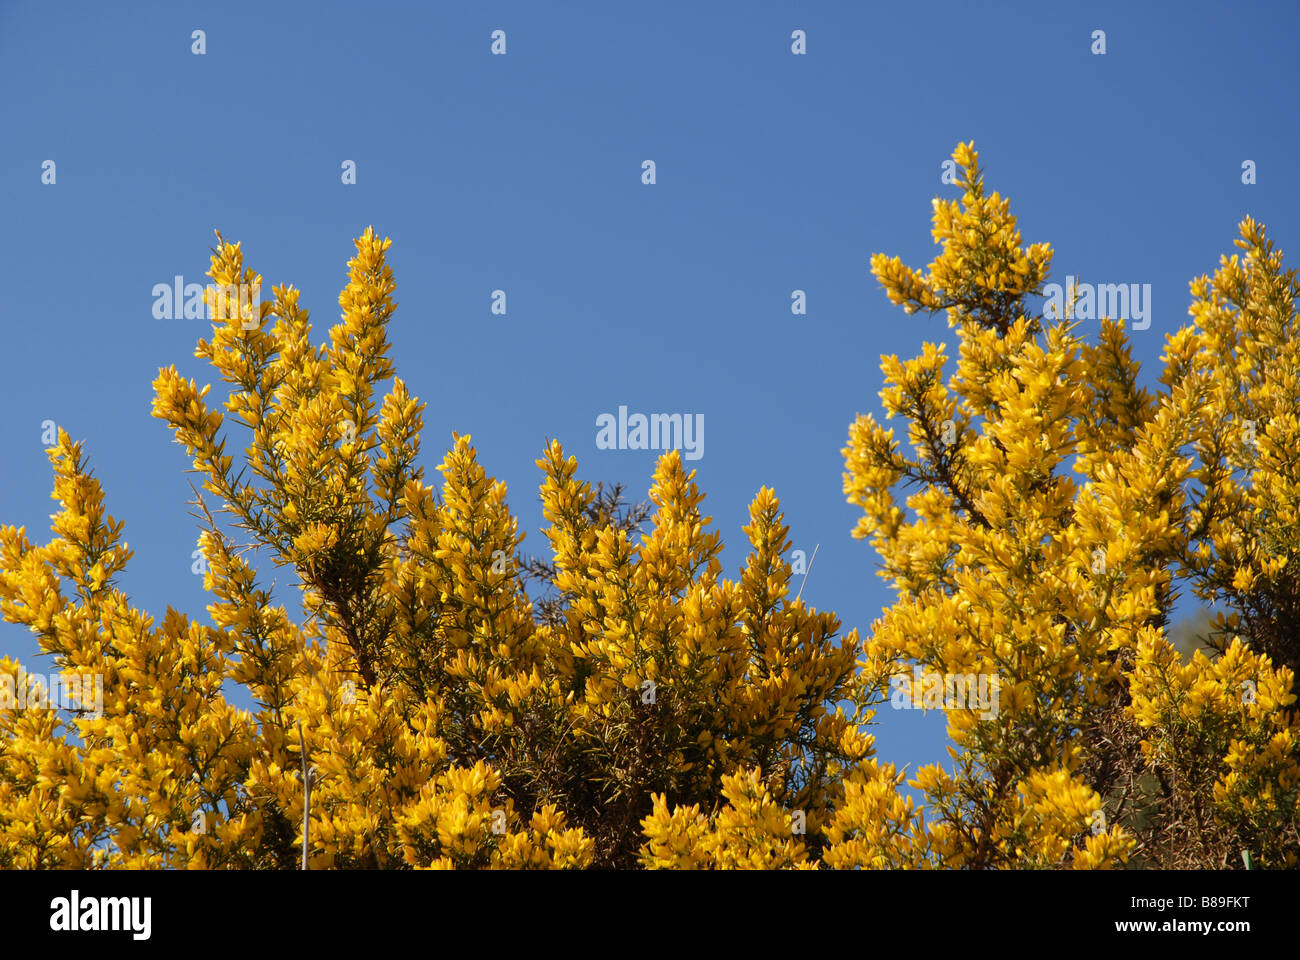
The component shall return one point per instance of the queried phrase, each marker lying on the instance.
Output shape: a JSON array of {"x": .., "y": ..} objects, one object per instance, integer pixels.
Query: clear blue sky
[{"x": 523, "y": 172}]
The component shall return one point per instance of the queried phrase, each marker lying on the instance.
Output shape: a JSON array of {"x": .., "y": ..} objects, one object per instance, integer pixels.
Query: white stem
[
  {"x": 306, "y": 796},
  {"x": 808, "y": 571}
]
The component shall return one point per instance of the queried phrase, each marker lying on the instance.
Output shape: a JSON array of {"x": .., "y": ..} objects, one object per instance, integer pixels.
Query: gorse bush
[
  {"x": 1063, "y": 586},
  {"x": 649, "y": 711}
]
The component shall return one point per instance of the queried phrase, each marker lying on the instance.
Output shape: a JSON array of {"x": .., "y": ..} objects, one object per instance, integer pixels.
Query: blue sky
[{"x": 522, "y": 172}]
